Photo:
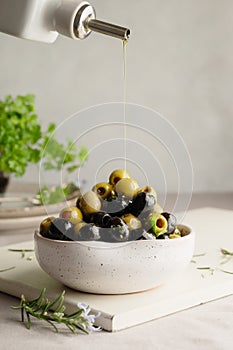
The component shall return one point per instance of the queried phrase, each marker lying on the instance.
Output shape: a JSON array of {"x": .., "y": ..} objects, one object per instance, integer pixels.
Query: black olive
[
  {"x": 164, "y": 236},
  {"x": 116, "y": 221},
  {"x": 100, "y": 219},
  {"x": 171, "y": 222},
  {"x": 88, "y": 232},
  {"x": 106, "y": 220},
  {"x": 120, "y": 233},
  {"x": 117, "y": 231},
  {"x": 61, "y": 229},
  {"x": 141, "y": 205},
  {"x": 142, "y": 238},
  {"x": 117, "y": 207},
  {"x": 97, "y": 218}
]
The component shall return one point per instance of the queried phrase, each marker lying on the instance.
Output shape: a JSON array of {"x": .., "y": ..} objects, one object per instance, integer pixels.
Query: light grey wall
[{"x": 179, "y": 62}]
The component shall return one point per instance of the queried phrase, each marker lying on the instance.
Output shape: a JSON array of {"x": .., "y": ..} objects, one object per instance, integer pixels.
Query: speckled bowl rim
[{"x": 104, "y": 245}]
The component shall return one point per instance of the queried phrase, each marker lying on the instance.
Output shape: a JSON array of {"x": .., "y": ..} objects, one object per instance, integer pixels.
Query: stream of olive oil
[{"x": 124, "y": 102}]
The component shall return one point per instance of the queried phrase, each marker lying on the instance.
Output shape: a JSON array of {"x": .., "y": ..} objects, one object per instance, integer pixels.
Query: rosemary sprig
[
  {"x": 41, "y": 308},
  {"x": 22, "y": 251}
]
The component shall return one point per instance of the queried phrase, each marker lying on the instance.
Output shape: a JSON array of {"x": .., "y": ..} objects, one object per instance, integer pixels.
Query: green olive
[
  {"x": 156, "y": 223},
  {"x": 127, "y": 187},
  {"x": 103, "y": 190},
  {"x": 118, "y": 175},
  {"x": 131, "y": 221},
  {"x": 77, "y": 228},
  {"x": 175, "y": 234},
  {"x": 79, "y": 225},
  {"x": 45, "y": 225},
  {"x": 150, "y": 190},
  {"x": 73, "y": 214},
  {"x": 161, "y": 224},
  {"x": 90, "y": 203}
]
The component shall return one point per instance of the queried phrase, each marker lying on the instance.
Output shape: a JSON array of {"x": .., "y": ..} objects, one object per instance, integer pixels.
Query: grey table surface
[{"x": 208, "y": 326}]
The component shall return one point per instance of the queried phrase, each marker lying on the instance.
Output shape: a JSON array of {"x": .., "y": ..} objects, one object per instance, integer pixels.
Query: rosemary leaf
[
  {"x": 226, "y": 252},
  {"x": 8, "y": 269},
  {"x": 197, "y": 255},
  {"x": 21, "y": 250},
  {"x": 52, "y": 324},
  {"x": 22, "y": 314},
  {"x": 225, "y": 260},
  {"x": 75, "y": 314},
  {"x": 57, "y": 300},
  {"x": 225, "y": 271},
  {"x": 28, "y": 320},
  {"x": 71, "y": 327}
]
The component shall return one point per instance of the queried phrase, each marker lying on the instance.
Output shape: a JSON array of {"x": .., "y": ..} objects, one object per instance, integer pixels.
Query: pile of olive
[{"x": 114, "y": 211}]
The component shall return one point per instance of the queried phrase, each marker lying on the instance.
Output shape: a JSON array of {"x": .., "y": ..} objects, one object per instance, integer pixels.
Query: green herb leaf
[
  {"x": 23, "y": 142},
  {"x": 19, "y": 135}
]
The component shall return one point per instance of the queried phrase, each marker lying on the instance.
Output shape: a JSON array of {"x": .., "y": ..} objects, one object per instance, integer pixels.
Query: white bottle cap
[{"x": 71, "y": 16}]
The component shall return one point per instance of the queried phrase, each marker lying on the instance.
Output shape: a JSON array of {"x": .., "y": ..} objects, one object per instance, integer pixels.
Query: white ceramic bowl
[{"x": 115, "y": 268}]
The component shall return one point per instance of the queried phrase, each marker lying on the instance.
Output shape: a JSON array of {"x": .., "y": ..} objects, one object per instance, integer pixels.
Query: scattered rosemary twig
[
  {"x": 211, "y": 269},
  {"x": 8, "y": 269},
  {"x": 41, "y": 308},
  {"x": 22, "y": 251},
  {"x": 226, "y": 252},
  {"x": 228, "y": 255},
  {"x": 230, "y": 272},
  {"x": 197, "y": 256}
]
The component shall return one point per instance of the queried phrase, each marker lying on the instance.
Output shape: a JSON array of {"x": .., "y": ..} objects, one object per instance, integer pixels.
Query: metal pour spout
[
  {"x": 84, "y": 22},
  {"x": 108, "y": 29}
]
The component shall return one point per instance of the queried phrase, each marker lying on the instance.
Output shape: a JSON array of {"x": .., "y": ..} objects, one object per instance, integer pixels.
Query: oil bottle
[{"x": 44, "y": 20}]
